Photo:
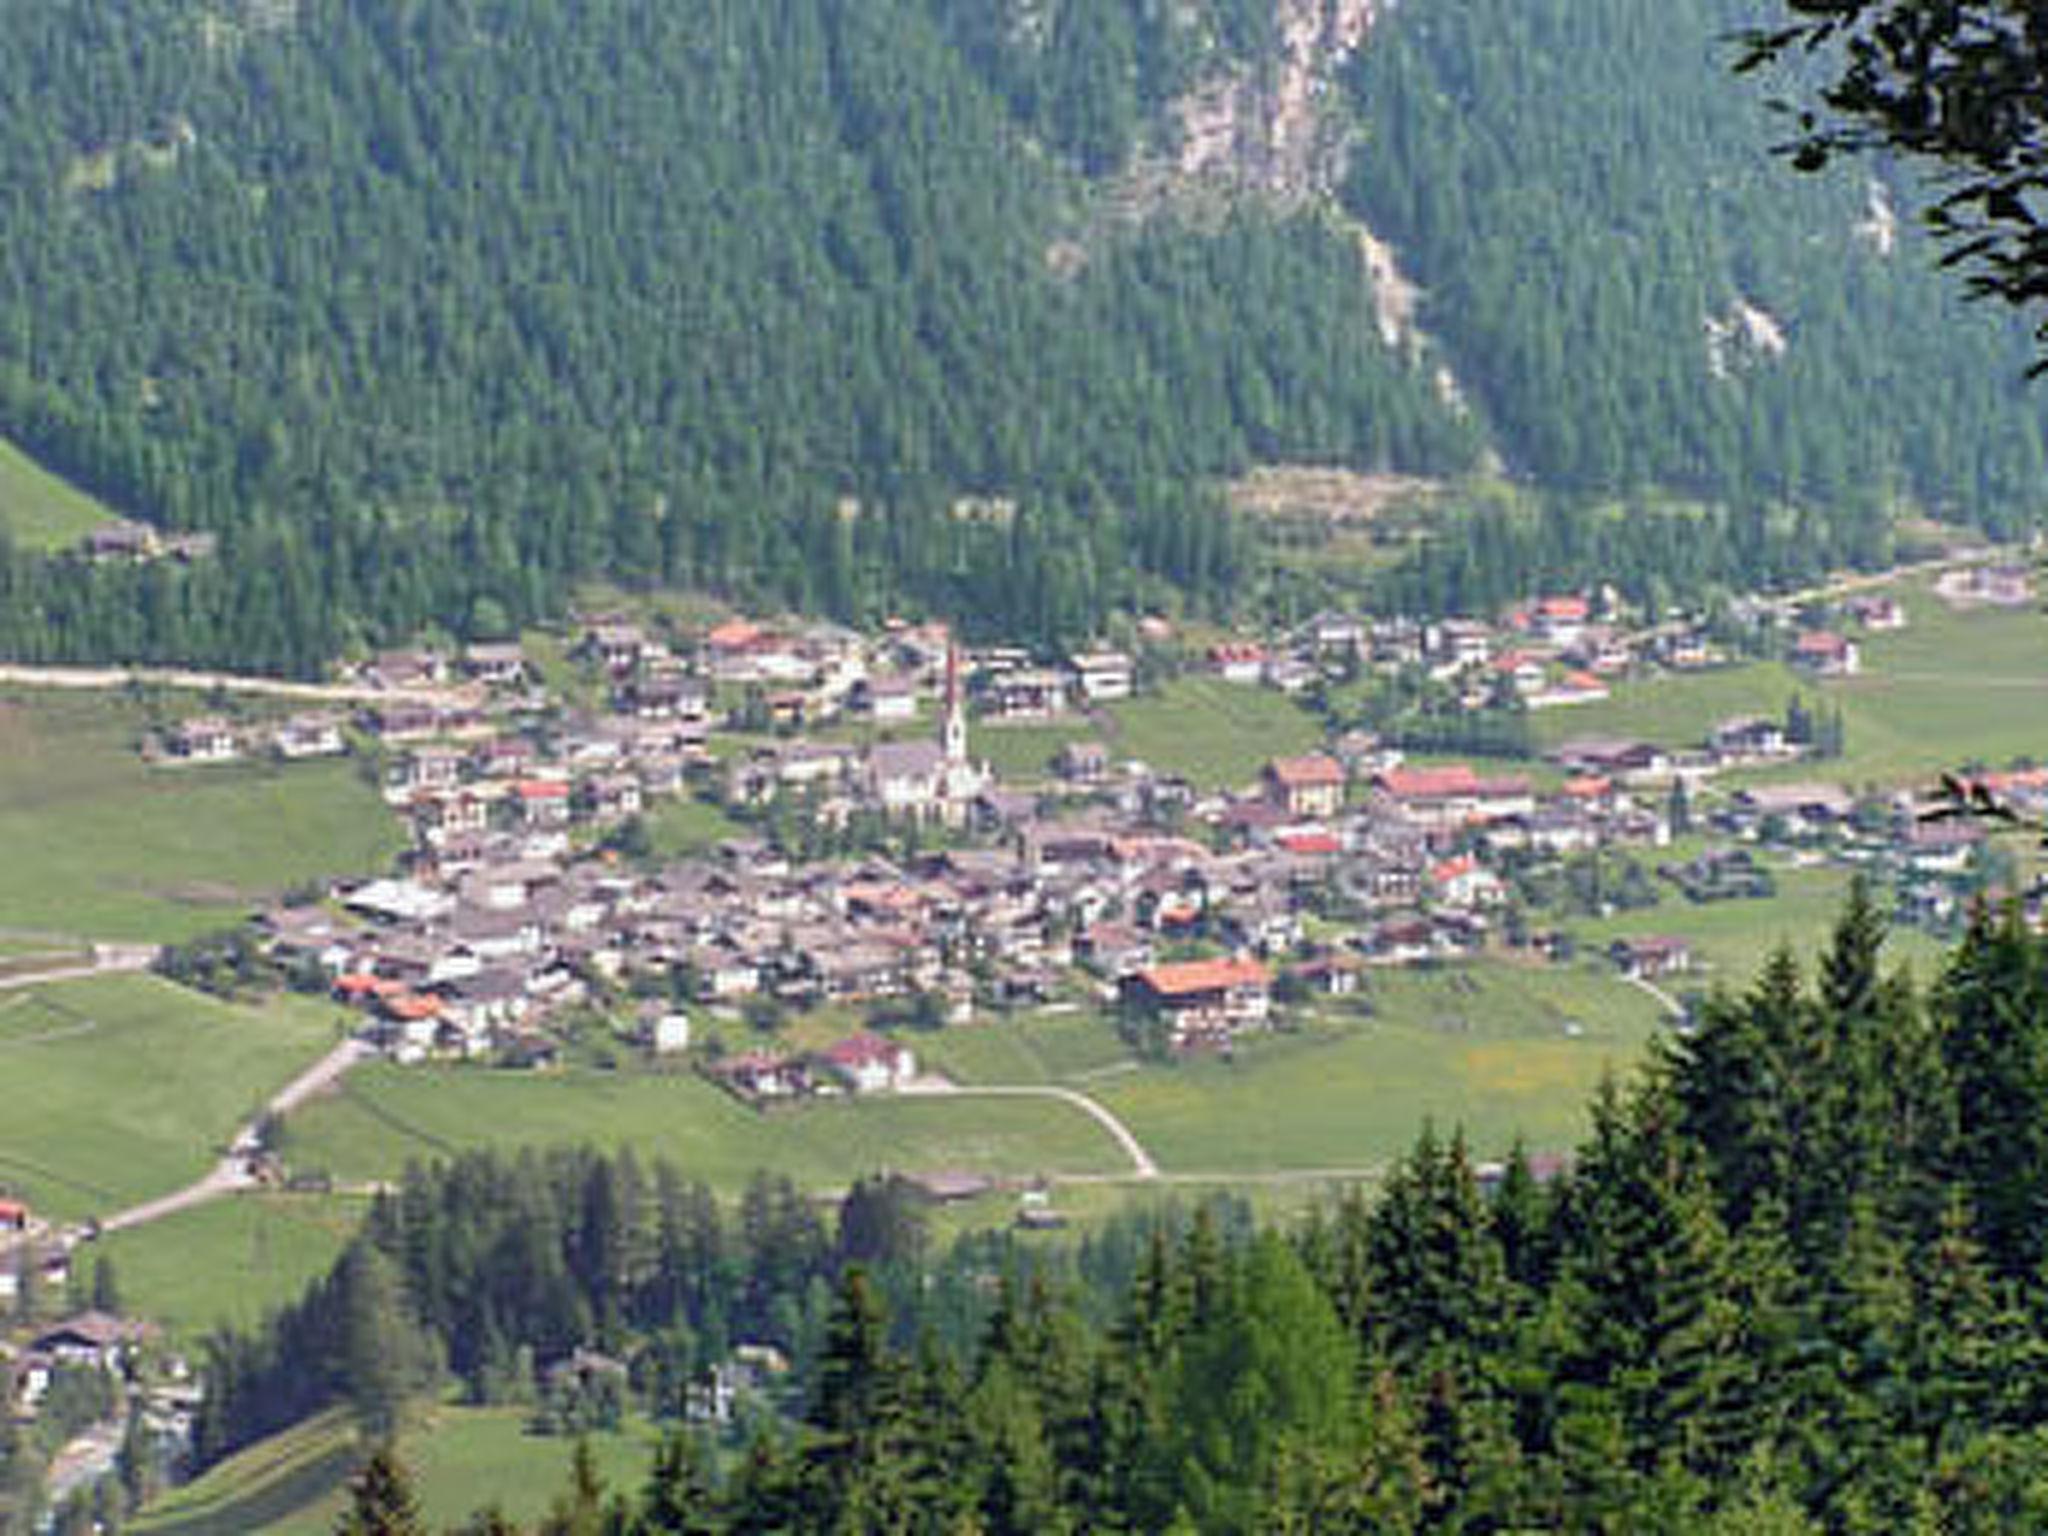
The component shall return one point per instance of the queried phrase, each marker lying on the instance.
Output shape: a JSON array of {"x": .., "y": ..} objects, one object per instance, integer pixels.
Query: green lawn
[
  {"x": 683, "y": 826},
  {"x": 1023, "y": 754},
  {"x": 231, "y": 1261},
  {"x": 123, "y": 1088},
  {"x": 461, "y": 1459},
  {"x": 1215, "y": 734},
  {"x": 39, "y": 510},
  {"x": 100, "y": 844},
  {"x": 388, "y": 1115},
  {"x": 1950, "y": 686},
  {"x": 1486, "y": 1046},
  {"x": 1732, "y": 939},
  {"x": 1043, "y": 1047}
]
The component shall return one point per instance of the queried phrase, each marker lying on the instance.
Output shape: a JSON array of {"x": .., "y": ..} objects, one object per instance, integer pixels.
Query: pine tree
[{"x": 381, "y": 1500}]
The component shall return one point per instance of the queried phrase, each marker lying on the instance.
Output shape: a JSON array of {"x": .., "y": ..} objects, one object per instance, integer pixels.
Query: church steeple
[{"x": 953, "y": 726}]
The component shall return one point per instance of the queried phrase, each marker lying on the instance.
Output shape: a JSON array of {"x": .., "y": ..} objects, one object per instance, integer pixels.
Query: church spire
[{"x": 953, "y": 727}]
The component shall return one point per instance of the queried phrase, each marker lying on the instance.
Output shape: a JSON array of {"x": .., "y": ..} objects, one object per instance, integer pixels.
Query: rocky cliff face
[{"x": 1269, "y": 125}]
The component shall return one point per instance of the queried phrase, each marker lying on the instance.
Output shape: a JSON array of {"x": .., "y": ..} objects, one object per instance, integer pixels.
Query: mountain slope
[{"x": 431, "y": 310}]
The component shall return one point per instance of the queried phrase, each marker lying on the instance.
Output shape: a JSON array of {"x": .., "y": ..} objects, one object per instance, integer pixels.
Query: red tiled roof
[
  {"x": 542, "y": 789},
  {"x": 1429, "y": 783},
  {"x": 1188, "y": 977},
  {"x": 1311, "y": 842},
  {"x": 865, "y": 1049},
  {"x": 1564, "y": 607}
]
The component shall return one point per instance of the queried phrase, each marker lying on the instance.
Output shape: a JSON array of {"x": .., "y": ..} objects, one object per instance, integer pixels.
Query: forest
[
  {"x": 1791, "y": 1281},
  {"x": 430, "y": 312}
]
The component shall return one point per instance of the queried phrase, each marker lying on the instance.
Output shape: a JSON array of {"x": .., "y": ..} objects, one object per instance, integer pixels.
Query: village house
[
  {"x": 1331, "y": 633},
  {"x": 1825, "y": 653},
  {"x": 763, "y": 1075},
  {"x": 14, "y": 1218},
  {"x": 1877, "y": 612},
  {"x": 309, "y": 735},
  {"x": 501, "y": 665},
  {"x": 1441, "y": 799},
  {"x": 885, "y": 700},
  {"x": 1749, "y": 739},
  {"x": 869, "y": 1063},
  {"x": 1310, "y": 786},
  {"x": 1651, "y": 958},
  {"x": 1102, "y": 677},
  {"x": 1026, "y": 693},
  {"x": 1204, "y": 1002},
  {"x": 1239, "y": 661},
  {"x": 203, "y": 739}
]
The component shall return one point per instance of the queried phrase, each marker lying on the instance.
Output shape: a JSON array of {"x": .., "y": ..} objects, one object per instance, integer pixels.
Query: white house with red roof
[
  {"x": 1825, "y": 653},
  {"x": 869, "y": 1063}
]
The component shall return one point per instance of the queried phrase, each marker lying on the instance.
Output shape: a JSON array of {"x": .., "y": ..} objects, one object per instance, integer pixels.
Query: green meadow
[
  {"x": 386, "y": 1116},
  {"x": 39, "y": 510},
  {"x": 231, "y": 1261},
  {"x": 123, "y": 1088},
  {"x": 1503, "y": 1051},
  {"x": 1954, "y": 685},
  {"x": 1215, "y": 734},
  {"x": 462, "y": 1459},
  {"x": 101, "y": 844}
]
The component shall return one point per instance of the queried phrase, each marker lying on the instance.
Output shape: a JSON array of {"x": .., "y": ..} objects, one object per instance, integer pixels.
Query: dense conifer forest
[
  {"x": 431, "y": 310},
  {"x": 1791, "y": 1281}
]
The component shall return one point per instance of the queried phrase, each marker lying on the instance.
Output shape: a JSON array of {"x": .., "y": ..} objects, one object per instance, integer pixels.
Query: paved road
[
  {"x": 83, "y": 1461},
  {"x": 107, "y": 960},
  {"x": 1663, "y": 999},
  {"x": 229, "y": 682},
  {"x": 231, "y": 1174},
  {"x": 1142, "y": 1165}
]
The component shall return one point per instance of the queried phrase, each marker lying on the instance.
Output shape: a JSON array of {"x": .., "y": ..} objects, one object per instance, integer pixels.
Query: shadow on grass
[{"x": 257, "y": 1493}]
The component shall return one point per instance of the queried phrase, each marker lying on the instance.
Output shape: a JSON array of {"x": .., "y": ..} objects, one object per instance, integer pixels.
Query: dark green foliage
[
  {"x": 640, "y": 290},
  {"x": 381, "y": 1500},
  {"x": 1584, "y": 194},
  {"x": 1792, "y": 1282}
]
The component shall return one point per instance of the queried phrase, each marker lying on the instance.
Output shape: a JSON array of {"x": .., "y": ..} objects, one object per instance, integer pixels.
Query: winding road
[
  {"x": 1142, "y": 1164},
  {"x": 233, "y": 1174}
]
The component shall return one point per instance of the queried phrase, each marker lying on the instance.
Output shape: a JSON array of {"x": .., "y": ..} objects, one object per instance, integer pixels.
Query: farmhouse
[
  {"x": 1306, "y": 786},
  {"x": 1825, "y": 653},
  {"x": 204, "y": 739},
  {"x": 1102, "y": 677},
  {"x": 867, "y": 1063},
  {"x": 1204, "y": 1002},
  {"x": 1647, "y": 959}
]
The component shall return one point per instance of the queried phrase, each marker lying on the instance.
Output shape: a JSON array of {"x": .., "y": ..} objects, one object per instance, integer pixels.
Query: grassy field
[
  {"x": 1732, "y": 939},
  {"x": 100, "y": 844},
  {"x": 462, "y": 1459},
  {"x": 684, "y": 826},
  {"x": 388, "y": 1115},
  {"x": 1501, "y": 1050},
  {"x": 1953, "y": 685},
  {"x": 1215, "y": 734},
  {"x": 122, "y": 1088},
  {"x": 39, "y": 510},
  {"x": 231, "y": 1261},
  {"x": 1023, "y": 754},
  {"x": 1043, "y": 1047}
]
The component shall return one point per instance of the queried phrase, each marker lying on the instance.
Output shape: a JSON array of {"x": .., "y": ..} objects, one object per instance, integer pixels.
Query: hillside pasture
[
  {"x": 461, "y": 1459},
  {"x": 1503, "y": 1051},
  {"x": 231, "y": 1261},
  {"x": 101, "y": 844},
  {"x": 1215, "y": 734},
  {"x": 386, "y": 1116},
  {"x": 40, "y": 510},
  {"x": 122, "y": 1088}
]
